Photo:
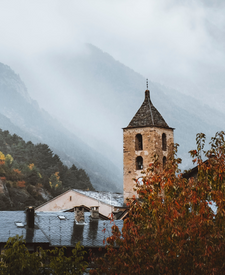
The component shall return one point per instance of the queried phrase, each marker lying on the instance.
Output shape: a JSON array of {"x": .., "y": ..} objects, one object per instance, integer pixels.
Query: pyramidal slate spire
[{"x": 147, "y": 115}]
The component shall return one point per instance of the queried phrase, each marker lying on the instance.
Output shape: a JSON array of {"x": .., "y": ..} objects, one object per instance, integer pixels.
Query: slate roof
[
  {"x": 8, "y": 228},
  {"x": 114, "y": 199},
  {"x": 147, "y": 115},
  {"x": 67, "y": 232},
  {"x": 50, "y": 229}
]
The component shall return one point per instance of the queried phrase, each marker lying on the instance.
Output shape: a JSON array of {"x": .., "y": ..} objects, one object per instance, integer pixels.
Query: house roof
[
  {"x": 8, "y": 228},
  {"x": 114, "y": 199},
  {"x": 122, "y": 215},
  {"x": 67, "y": 232},
  {"x": 147, "y": 115},
  {"x": 51, "y": 229}
]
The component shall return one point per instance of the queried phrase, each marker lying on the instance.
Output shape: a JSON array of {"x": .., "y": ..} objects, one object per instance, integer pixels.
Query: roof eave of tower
[{"x": 151, "y": 126}]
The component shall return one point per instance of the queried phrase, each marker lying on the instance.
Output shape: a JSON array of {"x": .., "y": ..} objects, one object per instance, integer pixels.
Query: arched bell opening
[
  {"x": 138, "y": 142},
  {"x": 139, "y": 163},
  {"x": 164, "y": 145},
  {"x": 164, "y": 162}
]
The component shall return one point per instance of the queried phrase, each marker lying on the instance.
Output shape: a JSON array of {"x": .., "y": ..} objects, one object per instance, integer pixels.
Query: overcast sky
[
  {"x": 178, "y": 43},
  {"x": 160, "y": 39}
]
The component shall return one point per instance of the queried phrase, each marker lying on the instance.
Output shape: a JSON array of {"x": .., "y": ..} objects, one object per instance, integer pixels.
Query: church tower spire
[{"x": 146, "y": 134}]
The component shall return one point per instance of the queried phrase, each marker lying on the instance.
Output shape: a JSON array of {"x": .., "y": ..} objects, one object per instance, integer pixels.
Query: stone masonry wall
[{"x": 152, "y": 144}]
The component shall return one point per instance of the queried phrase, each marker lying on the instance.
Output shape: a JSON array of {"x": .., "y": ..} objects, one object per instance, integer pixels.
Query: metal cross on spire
[{"x": 147, "y": 83}]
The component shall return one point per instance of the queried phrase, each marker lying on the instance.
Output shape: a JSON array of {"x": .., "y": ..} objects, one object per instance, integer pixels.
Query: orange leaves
[
  {"x": 17, "y": 171},
  {"x": 31, "y": 166},
  {"x": 21, "y": 184}
]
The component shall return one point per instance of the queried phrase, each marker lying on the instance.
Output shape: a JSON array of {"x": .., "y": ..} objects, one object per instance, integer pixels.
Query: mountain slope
[
  {"x": 34, "y": 123},
  {"x": 94, "y": 96},
  {"x": 31, "y": 174}
]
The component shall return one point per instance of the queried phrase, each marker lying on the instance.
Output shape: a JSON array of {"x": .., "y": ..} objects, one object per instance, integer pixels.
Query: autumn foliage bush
[
  {"x": 17, "y": 260},
  {"x": 171, "y": 227}
]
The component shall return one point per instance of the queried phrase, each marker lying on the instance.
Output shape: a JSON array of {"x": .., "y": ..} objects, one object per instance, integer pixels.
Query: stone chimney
[
  {"x": 30, "y": 216},
  {"x": 95, "y": 212},
  {"x": 79, "y": 214}
]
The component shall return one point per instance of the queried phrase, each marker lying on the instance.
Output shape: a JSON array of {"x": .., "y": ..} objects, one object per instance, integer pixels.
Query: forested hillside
[{"x": 31, "y": 174}]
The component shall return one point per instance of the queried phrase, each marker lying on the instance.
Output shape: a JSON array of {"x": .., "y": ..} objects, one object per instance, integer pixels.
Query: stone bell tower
[{"x": 147, "y": 134}]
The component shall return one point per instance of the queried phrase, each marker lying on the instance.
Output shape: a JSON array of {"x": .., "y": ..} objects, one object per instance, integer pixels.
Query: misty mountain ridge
[
  {"x": 32, "y": 123},
  {"x": 112, "y": 93},
  {"x": 94, "y": 96}
]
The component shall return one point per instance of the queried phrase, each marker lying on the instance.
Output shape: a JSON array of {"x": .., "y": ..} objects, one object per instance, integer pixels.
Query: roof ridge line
[{"x": 149, "y": 102}]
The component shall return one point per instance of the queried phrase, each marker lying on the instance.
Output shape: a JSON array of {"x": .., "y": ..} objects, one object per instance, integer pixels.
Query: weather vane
[{"x": 147, "y": 83}]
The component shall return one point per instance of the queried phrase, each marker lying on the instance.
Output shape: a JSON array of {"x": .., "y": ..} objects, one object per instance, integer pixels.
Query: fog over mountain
[
  {"x": 179, "y": 44},
  {"x": 87, "y": 92},
  {"x": 95, "y": 96},
  {"x": 21, "y": 115}
]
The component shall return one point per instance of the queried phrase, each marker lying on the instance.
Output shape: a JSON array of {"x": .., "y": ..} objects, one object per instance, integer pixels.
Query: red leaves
[
  {"x": 178, "y": 205},
  {"x": 172, "y": 230},
  {"x": 21, "y": 183}
]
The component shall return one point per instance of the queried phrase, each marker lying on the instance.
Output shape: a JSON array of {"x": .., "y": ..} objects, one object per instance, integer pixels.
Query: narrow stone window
[
  {"x": 139, "y": 163},
  {"x": 164, "y": 142},
  {"x": 70, "y": 198},
  {"x": 164, "y": 162},
  {"x": 138, "y": 142}
]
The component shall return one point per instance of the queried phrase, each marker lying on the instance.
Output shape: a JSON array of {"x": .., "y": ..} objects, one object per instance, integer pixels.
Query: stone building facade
[{"x": 146, "y": 135}]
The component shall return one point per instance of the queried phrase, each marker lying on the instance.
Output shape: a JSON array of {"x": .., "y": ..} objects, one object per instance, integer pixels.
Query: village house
[{"x": 107, "y": 202}]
